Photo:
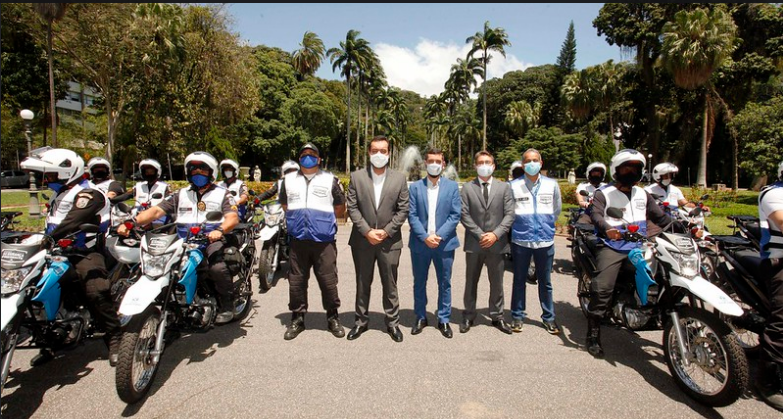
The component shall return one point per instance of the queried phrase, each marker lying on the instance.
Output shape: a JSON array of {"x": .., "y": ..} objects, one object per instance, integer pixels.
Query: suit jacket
[
  {"x": 447, "y": 214},
  {"x": 390, "y": 215},
  {"x": 496, "y": 215}
]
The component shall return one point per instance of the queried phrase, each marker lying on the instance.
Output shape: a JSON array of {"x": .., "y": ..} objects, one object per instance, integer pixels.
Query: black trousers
[
  {"x": 772, "y": 340},
  {"x": 90, "y": 269},
  {"x": 365, "y": 259},
  {"x": 215, "y": 269},
  {"x": 609, "y": 263},
  {"x": 322, "y": 257}
]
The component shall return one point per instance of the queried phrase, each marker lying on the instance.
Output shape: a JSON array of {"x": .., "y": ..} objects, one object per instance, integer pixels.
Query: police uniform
[
  {"x": 190, "y": 209},
  {"x": 312, "y": 227},
  {"x": 143, "y": 193},
  {"x": 239, "y": 188},
  {"x": 771, "y": 201},
  {"x": 584, "y": 218}
]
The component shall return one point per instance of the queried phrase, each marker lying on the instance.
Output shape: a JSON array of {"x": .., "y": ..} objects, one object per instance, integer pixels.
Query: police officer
[
  {"x": 100, "y": 177},
  {"x": 75, "y": 203},
  {"x": 770, "y": 378},
  {"x": 638, "y": 206},
  {"x": 190, "y": 206},
  {"x": 312, "y": 198},
  {"x": 288, "y": 166},
  {"x": 237, "y": 188}
]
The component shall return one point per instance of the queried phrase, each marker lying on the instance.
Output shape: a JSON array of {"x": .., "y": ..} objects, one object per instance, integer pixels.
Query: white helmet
[
  {"x": 68, "y": 165},
  {"x": 152, "y": 163},
  {"x": 663, "y": 169},
  {"x": 594, "y": 166},
  {"x": 203, "y": 157},
  {"x": 231, "y": 163},
  {"x": 515, "y": 165},
  {"x": 289, "y": 165},
  {"x": 624, "y": 156},
  {"x": 98, "y": 161}
]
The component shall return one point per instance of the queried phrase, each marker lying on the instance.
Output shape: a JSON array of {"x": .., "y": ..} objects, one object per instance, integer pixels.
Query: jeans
[{"x": 544, "y": 257}]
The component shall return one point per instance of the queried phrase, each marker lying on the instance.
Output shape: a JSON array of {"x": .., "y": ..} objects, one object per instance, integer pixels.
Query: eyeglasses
[{"x": 198, "y": 166}]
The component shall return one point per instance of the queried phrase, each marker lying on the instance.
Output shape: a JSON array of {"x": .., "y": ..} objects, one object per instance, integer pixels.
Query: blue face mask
[
  {"x": 308, "y": 162},
  {"x": 532, "y": 168},
  {"x": 55, "y": 186},
  {"x": 200, "y": 180}
]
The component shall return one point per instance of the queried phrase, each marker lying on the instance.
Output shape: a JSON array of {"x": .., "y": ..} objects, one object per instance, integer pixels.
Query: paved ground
[{"x": 248, "y": 370}]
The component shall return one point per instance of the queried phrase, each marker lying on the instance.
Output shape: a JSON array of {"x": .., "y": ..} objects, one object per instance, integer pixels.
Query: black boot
[
  {"x": 296, "y": 327},
  {"x": 44, "y": 356},
  {"x": 594, "y": 337},
  {"x": 769, "y": 384},
  {"x": 113, "y": 343},
  {"x": 333, "y": 324},
  {"x": 226, "y": 311}
]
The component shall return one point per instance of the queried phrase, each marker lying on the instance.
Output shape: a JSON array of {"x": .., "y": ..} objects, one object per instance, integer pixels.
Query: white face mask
[
  {"x": 485, "y": 170},
  {"x": 228, "y": 174},
  {"x": 666, "y": 182},
  {"x": 379, "y": 160},
  {"x": 434, "y": 169}
]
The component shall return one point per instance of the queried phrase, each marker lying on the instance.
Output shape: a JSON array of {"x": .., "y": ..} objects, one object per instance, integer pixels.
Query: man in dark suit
[
  {"x": 378, "y": 207},
  {"x": 487, "y": 214},
  {"x": 435, "y": 210}
]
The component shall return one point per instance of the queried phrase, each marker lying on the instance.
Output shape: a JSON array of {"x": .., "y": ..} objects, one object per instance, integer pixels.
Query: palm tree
[
  {"x": 51, "y": 12},
  {"x": 349, "y": 57},
  {"x": 610, "y": 90},
  {"x": 521, "y": 117},
  {"x": 695, "y": 44},
  {"x": 490, "y": 40},
  {"x": 307, "y": 59},
  {"x": 578, "y": 94}
]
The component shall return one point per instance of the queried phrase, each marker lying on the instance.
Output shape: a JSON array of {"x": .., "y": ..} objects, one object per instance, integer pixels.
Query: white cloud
[{"x": 426, "y": 68}]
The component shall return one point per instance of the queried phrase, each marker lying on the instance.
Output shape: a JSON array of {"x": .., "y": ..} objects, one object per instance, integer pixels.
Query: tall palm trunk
[
  {"x": 701, "y": 178},
  {"x": 348, "y": 132},
  {"x": 366, "y": 125},
  {"x": 51, "y": 84},
  {"x": 357, "y": 150},
  {"x": 459, "y": 152},
  {"x": 484, "y": 143}
]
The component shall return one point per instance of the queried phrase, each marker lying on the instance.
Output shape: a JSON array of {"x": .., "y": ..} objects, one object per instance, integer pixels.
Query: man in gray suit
[
  {"x": 378, "y": 206},
  {"x": 487, "y": 214}
]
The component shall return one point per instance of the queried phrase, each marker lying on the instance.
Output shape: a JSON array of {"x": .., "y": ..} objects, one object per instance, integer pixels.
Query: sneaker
[
  {"x": 334, "y": 326},
  {"x": 516, "y": 325},
  {"x": 552, "y": 327}
]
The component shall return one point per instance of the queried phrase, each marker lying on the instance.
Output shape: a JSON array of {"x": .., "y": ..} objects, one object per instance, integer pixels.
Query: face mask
[
  {"x": 308, "y": 162},
  {"x": 485, "y": 170},
  {"x": 434, "y": 169},
  {"x": 595, "y": 180},
  {"x": 379, "y": 160},
  {"x": 199, "y": 180},
  {"x": 666, "y": 182},
  {"x": 150, "y": 178},
  {"x": 532, "y": 168},
  {"x": 228, "y": 174},
  {"x": 628, "y": 179},
  {"x": 55, "y": 186},
  {"x": 99, "y": 175}
]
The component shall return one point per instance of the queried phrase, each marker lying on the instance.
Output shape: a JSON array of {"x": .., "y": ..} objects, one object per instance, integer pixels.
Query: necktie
[{"x": 486, "y": 191}]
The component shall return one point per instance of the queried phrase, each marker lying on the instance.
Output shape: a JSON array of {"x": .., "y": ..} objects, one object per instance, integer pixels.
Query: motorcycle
[
  {"x": 37, "y": 303},
  {"x": 273, "y": 237},
  {"x": 747, "y": 227},
  {"x": 701, "y": 352},
  {"x": 7, "y": 220},
  {"x": 126, "y": 251},
  {"x": 168, "y": 298}
]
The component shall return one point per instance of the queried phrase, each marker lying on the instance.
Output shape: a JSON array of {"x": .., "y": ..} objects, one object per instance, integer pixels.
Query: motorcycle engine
[
  {"x": 626, "y": 309},
  {"x": 203, "y": 312}
]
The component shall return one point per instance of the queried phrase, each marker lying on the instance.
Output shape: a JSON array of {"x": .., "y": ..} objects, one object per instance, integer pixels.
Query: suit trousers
[
  {"x": 364, "y": 259},
  {"x": 322, "y": 257},
  {"x": 495, "y": 268},
  {"x": 443, "y": 262}
]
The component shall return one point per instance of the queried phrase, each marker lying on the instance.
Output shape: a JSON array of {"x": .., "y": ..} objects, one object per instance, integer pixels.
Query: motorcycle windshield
[
  {"x": 158, "y": 244},
  {"x": 14, "y": 256}
]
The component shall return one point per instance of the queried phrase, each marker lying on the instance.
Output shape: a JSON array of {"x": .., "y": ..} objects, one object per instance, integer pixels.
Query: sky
[{"x": 418, "y": 43}]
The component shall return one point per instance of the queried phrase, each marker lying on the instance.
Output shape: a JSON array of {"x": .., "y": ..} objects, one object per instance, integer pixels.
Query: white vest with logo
[
  {"x": 235, "y": 186},
  {"x": 310, "y": 213},
  {"x": 634, "y": 212},
  {"x": 62, "y": 204},
  {"x": 192, "y": 212},
  {"x": 144, "y": 195}
]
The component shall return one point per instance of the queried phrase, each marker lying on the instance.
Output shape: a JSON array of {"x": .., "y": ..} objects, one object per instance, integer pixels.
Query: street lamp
[{"x": 27, "y": 116}]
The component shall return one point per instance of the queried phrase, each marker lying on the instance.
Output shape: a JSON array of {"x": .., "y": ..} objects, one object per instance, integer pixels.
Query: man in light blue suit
[{"x": 435, "y": 210}]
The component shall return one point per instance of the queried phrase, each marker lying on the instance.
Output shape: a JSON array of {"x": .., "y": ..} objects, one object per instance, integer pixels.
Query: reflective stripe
[
  {"x": 771, "y": 237},
  {"x": 535, "y": 219},
  {"x": 62, "y": 204},
  {"x": 188, "y": 213},
  {"x": 235, "y": 186},
  {"x": 310, "y": 213},
  {"x": 634, "y": 212}
]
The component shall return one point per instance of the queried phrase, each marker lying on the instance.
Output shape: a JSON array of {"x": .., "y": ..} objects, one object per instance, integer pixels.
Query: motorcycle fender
[
  {"x": 268, "y": 232},
  {"x": 8, "y": 308},
  {"x": 141, "y": 294},
  {"x": 708, "y": 292}
]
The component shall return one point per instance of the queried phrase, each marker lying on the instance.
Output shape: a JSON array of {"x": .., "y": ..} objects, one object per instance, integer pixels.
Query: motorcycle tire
[
  {"x": 135, "y": 370},
  {"x": 716, "y": 358},
  {"x": 266, "y": 276},
  {"x": 242, "y": 303},
  {"x": 583, "y": 292}
]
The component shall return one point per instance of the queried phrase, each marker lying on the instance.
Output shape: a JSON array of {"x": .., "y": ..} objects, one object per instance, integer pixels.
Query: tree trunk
[
  {"x": 484, "y": 143},
  {"x": 459, "y": 152},
  {"x": 51, "y": 85},
  {"x": 348, "y": 132},
  {"x": 701, "y": 178},
  {"x": 366, "y": 125},
  {"x": 358, "y": 121}
]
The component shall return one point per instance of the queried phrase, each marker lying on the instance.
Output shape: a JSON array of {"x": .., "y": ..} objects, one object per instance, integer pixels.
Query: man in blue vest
[
  {"x": 770, "y": 379},
  {"x": 537, "y": 206},
  {"x": 434, "y": 212},
  {"x": 312, "y": 199},
  {"x": 638, "y": 206}
]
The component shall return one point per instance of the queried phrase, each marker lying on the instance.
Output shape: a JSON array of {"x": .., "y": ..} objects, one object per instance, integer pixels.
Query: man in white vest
[
  {"x": 75, "y": 203},
  {"x": 101, "y": 178},
  {"x": 638, "y": 206},
  {"x": 537, "y": 206},
  {"x": 312, "y": 200},
  {"x": 190, "y": 206},
  {"x": 237, "y": 188}
]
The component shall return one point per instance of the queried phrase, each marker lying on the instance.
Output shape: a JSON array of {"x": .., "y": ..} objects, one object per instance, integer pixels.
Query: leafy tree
[
  {"x": 760, "y": 129},
  {"x": 521, "y": 116},
  {"x": 566, "y": 62},
  {"x": 559, "y": 151}
]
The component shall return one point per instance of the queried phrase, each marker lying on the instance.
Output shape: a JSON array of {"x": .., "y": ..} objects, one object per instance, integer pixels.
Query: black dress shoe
[
  {"x": 502, "y": 326},
  {"x": 465, "y": 326},
  {"x": 334, "y": 326},
  {"x": 445, "y": 330},
  {"x": 395, "y": 333},
  {"x": 356, "y": 331},
  {"x": 419, "y": 326}
]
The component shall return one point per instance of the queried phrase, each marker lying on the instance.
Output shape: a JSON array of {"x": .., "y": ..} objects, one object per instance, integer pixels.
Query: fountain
[
  {"x": 410, "y": 163},
  {"x": 450, "y": 172}
]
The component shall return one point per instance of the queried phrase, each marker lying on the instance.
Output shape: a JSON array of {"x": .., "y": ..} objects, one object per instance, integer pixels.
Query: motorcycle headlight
[
  {"x": 272, "y": 219},
  {"x": 154, "y": 266},
  {"x": 689, "y": 264},
  {"x": 12, "y": 279}
]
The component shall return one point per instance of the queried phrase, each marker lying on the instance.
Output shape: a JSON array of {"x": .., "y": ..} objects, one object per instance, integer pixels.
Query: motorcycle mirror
[
  {"x": 233, "y": 193},
  {"x": 214, "y": 216},
  {"x": 123, "y": 207},
  {"x": 89, "y": 228},
  {"x": 157, "y": 195},
  {"x": 251, "y": 192},
  {"x": 705, "y": 197},
  {"x": 584, "y": 193},
  {"x": 694, "y": 212},
  {"x": 45, "y": 196},
  {"x": 614, "y": 212}
]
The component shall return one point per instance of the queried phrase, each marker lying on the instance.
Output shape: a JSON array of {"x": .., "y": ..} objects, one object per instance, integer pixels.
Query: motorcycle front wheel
[
  {"x": 136, "y": 366},
  {"x": 266, "y": 275},
  {"x": 715, "y": 372}
]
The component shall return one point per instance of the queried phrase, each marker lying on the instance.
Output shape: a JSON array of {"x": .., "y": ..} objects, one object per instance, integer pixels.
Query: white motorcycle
[{"x": 273, "y": 235}]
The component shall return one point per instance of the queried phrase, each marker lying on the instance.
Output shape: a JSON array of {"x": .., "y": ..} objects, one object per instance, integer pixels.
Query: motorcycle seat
[
  {"x": 751, "y": 262},
  {"x": 585, "y": 227},
  {"x": 754, "y": 230},
  {"x": 731, "y": 240}
]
